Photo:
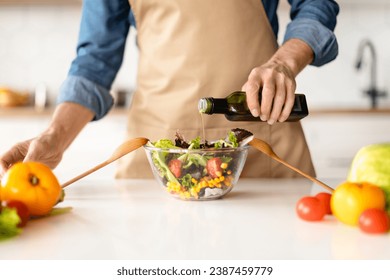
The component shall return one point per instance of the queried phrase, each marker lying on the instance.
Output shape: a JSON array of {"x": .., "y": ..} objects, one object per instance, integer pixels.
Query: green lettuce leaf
[
  {"x": 233, "y": 139},
  {"x": 195, "y": 143},
  {"x": 186, "y": 181},
  {"x": 9, "y": 221},
  {"x": 164, "y": 144},
  {"x": 160, "y": 158}
]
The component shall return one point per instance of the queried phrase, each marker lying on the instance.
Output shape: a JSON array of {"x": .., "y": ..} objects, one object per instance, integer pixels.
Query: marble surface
[{"x": 136, "y": 219}]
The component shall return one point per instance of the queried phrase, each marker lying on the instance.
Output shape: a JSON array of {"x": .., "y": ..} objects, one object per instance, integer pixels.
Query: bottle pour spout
[{"x": 205, "y": 105}]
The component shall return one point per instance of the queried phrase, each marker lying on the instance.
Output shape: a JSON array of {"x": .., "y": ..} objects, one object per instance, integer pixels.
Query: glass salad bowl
[{"x": 200, "y": 173}]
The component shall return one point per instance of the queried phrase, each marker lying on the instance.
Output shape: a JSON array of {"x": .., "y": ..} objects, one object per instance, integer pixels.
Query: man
[{"x": 189, "y": 50}]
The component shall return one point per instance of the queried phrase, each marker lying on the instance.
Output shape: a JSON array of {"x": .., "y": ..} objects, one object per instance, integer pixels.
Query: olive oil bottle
[{"x": 235, "y": 108}]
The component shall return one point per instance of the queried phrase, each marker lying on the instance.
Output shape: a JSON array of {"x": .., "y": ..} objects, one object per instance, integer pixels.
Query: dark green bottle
[{"x": 235, "y": 108}]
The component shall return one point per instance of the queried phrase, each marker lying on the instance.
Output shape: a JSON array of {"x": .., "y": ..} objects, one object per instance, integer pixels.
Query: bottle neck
[{"x": 210, "y": 105}]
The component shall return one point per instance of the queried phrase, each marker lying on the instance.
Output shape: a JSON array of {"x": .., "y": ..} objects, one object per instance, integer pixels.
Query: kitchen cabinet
[{"x": 335, "y": 138}]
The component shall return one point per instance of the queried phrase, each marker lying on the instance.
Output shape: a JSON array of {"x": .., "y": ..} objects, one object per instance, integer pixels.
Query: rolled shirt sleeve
[
  {"x": 100, "y": 49},
  {"x": 91, "y": 95},
  {"x": 314, "y": 22}
]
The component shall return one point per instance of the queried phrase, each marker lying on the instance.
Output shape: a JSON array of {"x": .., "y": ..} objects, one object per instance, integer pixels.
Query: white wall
[
  {"x": 38, "y": 43},
  {"x": 339, "y": 84}
]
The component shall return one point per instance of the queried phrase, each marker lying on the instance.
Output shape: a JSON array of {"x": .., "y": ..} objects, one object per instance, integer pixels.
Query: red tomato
[
  {"x": 213, "y": 167},
  {"x": 325, "y": 199},
  {"x": 175, "y": 166},
  {"x": 374, "y": 221},
  {"x": 310, "y": 208},
  {"x": 21, "y": 209}
]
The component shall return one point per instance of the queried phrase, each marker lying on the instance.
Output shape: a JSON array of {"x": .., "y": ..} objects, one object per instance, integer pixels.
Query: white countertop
[{"x": 136, "y": 219}]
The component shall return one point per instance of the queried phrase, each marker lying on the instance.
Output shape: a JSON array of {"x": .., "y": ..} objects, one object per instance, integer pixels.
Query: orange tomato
[{"x": 32, "y": 183}]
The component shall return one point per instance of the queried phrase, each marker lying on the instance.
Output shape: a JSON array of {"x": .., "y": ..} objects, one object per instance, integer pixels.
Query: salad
[{"x": 196, "y": 170}]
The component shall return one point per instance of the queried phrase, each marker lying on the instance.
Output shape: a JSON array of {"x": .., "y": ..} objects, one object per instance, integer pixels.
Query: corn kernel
[
  {"x": 224, "y": 165},
  {"x": 222, "y": 178},
  {"x": 228, "y": 181},
  {"x": 229, "y": 172},
  {"x": 218, "y": 173}
]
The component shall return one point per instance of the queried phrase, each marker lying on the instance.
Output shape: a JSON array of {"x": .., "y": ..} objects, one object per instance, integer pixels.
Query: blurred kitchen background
[
  {"x": 38, "y": 42},
  {"x": 38, "y": 39}
]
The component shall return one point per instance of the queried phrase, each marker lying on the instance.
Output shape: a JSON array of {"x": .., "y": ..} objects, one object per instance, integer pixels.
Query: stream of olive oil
[{"x": 203, "y": 129}]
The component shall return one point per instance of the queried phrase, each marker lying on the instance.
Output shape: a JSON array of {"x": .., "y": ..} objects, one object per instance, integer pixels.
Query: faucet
[{"x": 372, "y": 91}]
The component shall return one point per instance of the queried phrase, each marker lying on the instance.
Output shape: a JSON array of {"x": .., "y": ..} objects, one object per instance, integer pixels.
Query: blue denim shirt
[{"x": 105, "y": 26}]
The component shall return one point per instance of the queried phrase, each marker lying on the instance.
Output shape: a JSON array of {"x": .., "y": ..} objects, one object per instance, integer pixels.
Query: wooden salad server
[
  {"x": 122, "y": 150},
  {"x": 266, "y": 149}
]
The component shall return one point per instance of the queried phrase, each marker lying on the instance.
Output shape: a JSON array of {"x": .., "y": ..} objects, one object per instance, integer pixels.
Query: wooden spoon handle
[
  {"x": 82, "y": 175},
  {"x": 122, "y": 150},
  {"x": 267, "y": 150},
  {"x": 303, "y": 173}
]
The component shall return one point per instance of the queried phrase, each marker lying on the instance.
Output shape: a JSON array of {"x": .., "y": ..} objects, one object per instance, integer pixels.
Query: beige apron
[{"x": 194, "y": 49}]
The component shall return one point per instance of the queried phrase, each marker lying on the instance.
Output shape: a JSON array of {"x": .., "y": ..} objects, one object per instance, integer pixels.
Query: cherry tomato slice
[
  {"x": 175, "y": 167},
  {"x": 374, "y": 221},
  {"x": 310, "y": 208},
  {"x": 213, "y": 167},
  {"x": 324, "y": 197}
]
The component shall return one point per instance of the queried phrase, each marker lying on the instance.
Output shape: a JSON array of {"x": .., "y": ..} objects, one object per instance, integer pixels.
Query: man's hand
[
  {"x": 42, "y": 148},
  {"x": 48, "y": 147},
  {"x": 276, "y": 80}
]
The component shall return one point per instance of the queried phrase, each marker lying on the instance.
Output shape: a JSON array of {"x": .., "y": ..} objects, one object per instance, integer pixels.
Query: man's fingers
[
  {"x": 267, "y": 99},
  {"x": 252, "y": 98},
  {"x": 289, "y": 102},
  {"x": 278, "y": 103},
  {"x": 12, "y": 156}
]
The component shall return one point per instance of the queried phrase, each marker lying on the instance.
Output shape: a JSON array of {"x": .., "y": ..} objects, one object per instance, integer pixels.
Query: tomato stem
[{"x": 34, "y": 180}]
